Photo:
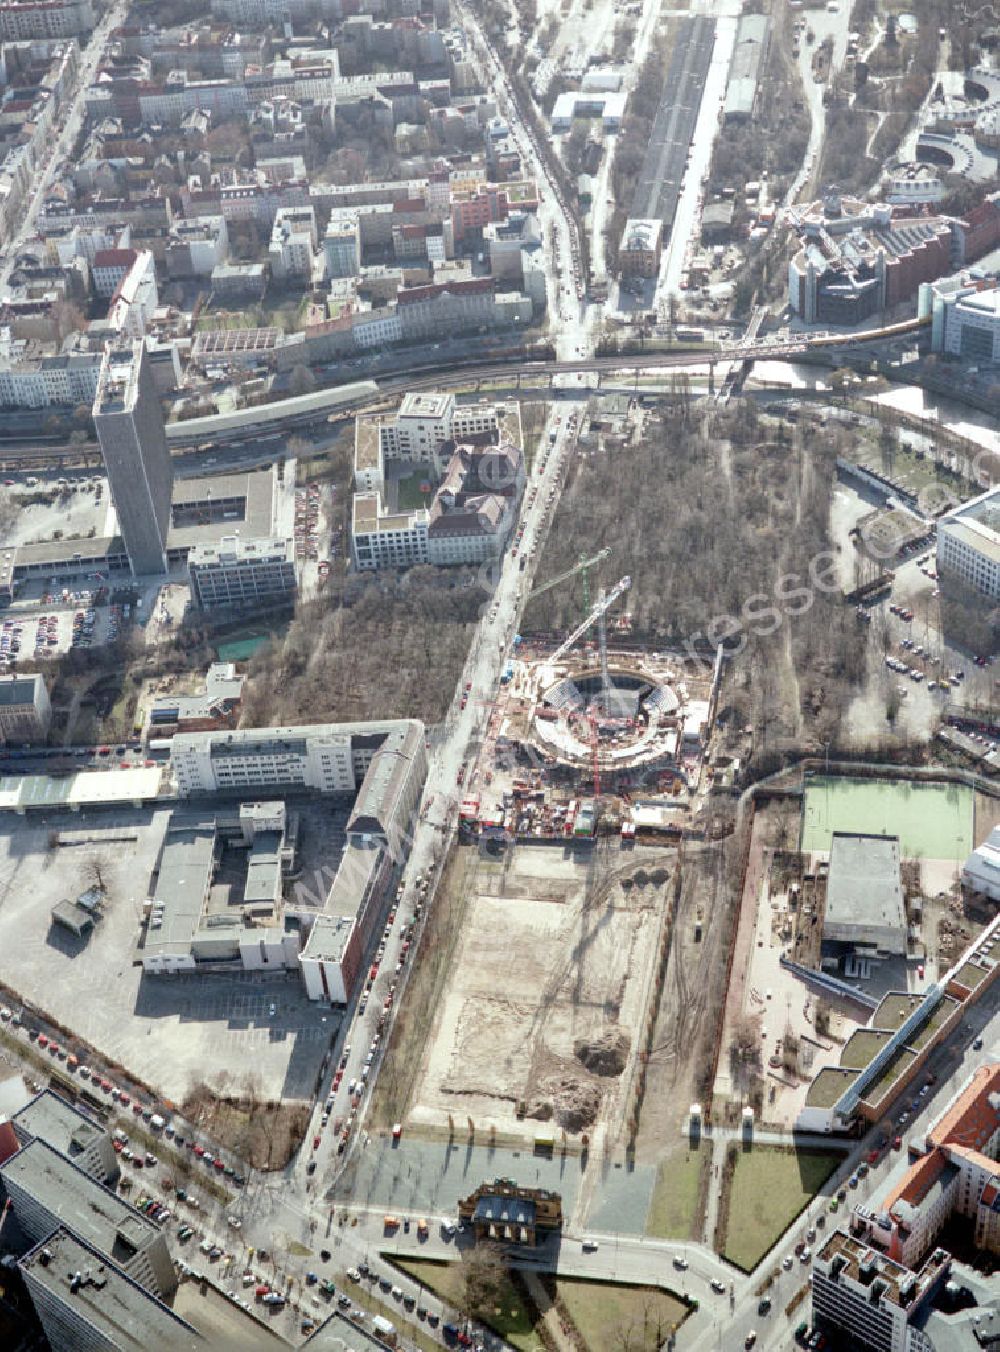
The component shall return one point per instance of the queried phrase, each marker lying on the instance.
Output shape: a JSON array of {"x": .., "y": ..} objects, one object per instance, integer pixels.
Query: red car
[
  {"x": 316, "y": 1141},
  {"x": 218, "y": 1164},
  {"x": 199, "y": 1150},
  {"x": 137, "y": 1109}
]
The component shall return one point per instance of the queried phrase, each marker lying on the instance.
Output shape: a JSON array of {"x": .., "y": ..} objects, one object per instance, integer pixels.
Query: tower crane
[
  {"x": 597, "y": 612},
  {"x": 596, "y": 615},
  {"x": 581, "y": 566}
]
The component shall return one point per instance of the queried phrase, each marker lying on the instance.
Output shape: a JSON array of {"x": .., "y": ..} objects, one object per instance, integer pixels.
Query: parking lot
[{"x": 169, "y": 1032}]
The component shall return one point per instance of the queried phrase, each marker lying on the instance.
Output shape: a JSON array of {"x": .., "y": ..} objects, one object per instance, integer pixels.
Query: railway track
[{"x": 18, "y": 455}]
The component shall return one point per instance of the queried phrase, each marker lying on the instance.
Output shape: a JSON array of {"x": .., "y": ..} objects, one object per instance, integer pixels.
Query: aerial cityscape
[{"x": 499, "y": 701}]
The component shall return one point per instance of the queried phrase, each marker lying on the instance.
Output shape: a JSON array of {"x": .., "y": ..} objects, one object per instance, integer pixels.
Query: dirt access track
[{"x": 536, "y": 1023}]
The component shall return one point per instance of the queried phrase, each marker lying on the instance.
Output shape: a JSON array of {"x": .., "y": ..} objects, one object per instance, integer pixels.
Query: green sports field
[{"x": 932, "y": 821}]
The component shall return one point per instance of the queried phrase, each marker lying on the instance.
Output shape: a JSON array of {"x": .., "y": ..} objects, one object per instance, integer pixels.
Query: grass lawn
[
  {"x": 770, "y": 1187},
  {"x": 600, "y": 1310},
  {"x": 410, "y": 496},
  {"x": 511, "y": 1319},
  {"x": 607, "y": 1314},
  {"x": 675, "y": 1196}
]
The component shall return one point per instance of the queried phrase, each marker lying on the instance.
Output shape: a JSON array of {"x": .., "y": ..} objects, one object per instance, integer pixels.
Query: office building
[
  {"x": 383, "y": 764},
  {"x": 425, "y": 423},
  {"x": 382, "y": 539},
  {"x": 640, "y": 248},
  {"x": 969, "y": 324},
  {"x": 87, "y": 1303},
  {"x": 858, "y": 259},
  {"x": 238, "y": 573},
  {"x": 48, "y": 1117},
  {"x": 130, "y": 428},
  {"x": 47, "y": 1191},
  {"x": 968, "y": 543},
  {"x": 25, "y": 712}
]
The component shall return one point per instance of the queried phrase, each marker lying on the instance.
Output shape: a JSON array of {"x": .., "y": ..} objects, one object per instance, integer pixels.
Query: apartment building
[
  {"x": 48, "y": 1191},
  {"x": 87, "y": 1303},
  {"x": 292, "y": 250},
  {"x": 195, "y": 247},
  {"x": 48, "y": 1117},
  {"x": 27, "y": 381},
  {"x": 109, "y": 269},
  {"x": 381, "y": 539},
  {"x": 877, "y": 1302},
  {"x": 135, "y": 299},
  {"x": 238, "y": 573},
  {"x": 444, "y": 308},
  {"x": 25, "y": 19},
  {"x": 425, "y": 423},
  {"x": 342, "y": 243},
  {"x": 958, "y": 1174},
  {"x": 968, "y": 543},
  {"x": 25, "y": 712}
]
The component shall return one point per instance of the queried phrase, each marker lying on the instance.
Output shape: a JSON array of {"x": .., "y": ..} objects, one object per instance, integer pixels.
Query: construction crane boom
[
  {"x": 580, "y": 566},
  {"x": 604, "y": 603}
]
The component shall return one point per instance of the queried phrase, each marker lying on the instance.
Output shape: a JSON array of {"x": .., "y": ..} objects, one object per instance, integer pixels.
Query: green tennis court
[{"x": 932, "y": 821}]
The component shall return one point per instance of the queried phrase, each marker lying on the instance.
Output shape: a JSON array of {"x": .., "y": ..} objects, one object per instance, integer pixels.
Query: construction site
[
  {"x": 592, "y": 735},
  {"x": 543, "y": 993}
]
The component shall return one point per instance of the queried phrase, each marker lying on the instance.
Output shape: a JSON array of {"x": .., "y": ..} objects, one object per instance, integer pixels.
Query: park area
[
  {"x": 932, "y": 821},
  {"x": 764, "y": 1190},
  {"x": 592, "y": 1316}
]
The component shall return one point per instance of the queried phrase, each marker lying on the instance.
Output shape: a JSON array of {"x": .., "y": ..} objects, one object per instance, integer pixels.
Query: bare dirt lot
[{"x": 547, "y": 991}]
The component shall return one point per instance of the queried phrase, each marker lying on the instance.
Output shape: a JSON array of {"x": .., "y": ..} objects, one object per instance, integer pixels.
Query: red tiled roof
[
  {"x": 918, "y": 1178},
  {"x": 972, "y": 1119}
]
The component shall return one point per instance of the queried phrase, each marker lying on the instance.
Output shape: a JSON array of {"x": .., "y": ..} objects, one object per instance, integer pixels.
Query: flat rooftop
[
  {"x": 185, "y": 872},
  {"x": 204, "y": 509},
  {"x": 424, "y": 405},
  {"x": 828, "y": 1086},
  {"x": 366, "y": 443},
  {"x": 52, "y": 1119},
  {"x": 119, "y": 1309},
  {"x": 894, "y": 1009},
  {"x": 86, "y": 788},
  {"x": 864, "y": 887},
  {"x": 896, "y": 1067},
  {"x": 15, "y": 690},
  {"x": 861, "y": 1046},
  {"x": 88, "y": 1208}
]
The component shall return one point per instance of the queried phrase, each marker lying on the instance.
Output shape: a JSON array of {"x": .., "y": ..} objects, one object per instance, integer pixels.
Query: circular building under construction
[{"x": 607, "y": 719}]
